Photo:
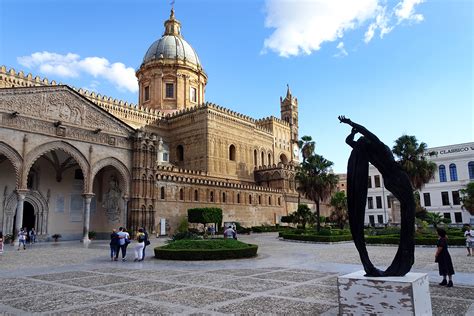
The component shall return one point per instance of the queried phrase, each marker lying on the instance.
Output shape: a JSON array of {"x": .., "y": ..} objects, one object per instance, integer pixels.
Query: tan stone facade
[{"x": 74, "y": 161}]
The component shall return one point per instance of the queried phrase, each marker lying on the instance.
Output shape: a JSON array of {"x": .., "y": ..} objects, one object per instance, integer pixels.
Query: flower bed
[{"x": 208, "y": 249}]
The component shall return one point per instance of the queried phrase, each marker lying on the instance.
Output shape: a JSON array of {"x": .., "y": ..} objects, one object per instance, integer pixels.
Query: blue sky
[{"x": 413, "y": 75}]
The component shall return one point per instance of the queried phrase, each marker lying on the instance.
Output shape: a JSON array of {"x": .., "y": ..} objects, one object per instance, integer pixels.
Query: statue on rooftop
[{"x": 369, "y": 149}]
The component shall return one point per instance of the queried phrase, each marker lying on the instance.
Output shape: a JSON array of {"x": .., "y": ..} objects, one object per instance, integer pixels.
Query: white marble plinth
[{"x": 360, "y": 295}]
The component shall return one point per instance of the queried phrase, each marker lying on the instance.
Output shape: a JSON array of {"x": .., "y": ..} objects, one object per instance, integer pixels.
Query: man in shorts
[
  {"x": 22, "y": 239},
  {"x": 469, "y": 234}
]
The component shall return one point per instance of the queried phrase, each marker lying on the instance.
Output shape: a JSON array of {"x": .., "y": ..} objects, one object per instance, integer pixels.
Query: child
[
  {"x": 442, "y": 257},
  {"x": 469, "y": 234}
]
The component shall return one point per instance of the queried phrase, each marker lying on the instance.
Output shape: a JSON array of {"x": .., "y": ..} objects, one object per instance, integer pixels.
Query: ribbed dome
[{"x": 172, "y": 45}]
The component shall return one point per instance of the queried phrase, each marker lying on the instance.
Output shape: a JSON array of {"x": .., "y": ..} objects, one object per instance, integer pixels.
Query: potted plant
[
  {"x": 92, "y": 234},
  {"x": 8, "y": 239},
  {"x": 56, "y": 237}
]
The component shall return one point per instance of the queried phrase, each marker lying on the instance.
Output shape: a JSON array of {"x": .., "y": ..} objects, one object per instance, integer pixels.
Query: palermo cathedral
[{"x": 73, "y": 161}]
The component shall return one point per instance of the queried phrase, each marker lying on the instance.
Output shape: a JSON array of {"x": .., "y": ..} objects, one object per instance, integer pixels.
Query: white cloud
[
  {"x": 342, "y": 51},
  {"x": 71, "y": 65},
  {"x": 301, "y": 27}
]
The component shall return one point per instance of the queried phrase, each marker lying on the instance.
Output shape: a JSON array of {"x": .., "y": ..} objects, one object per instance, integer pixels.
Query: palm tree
[
  {"x": 411, "y": 157},
  {"x": 467, "y": 198},
  {"x": 307, "y": 146},
  {"x": 314, "y": 178},
  {"x": 436, "y": 218},
  {"x": 303, "y": 216},
  {"x": 339, "y": 204}
]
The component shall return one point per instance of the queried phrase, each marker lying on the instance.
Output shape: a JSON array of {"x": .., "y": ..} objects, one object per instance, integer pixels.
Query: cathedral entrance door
[{"x": 29, "y": 218}]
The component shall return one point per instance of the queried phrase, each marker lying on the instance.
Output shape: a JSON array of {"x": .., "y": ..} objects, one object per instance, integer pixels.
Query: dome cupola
[{"x": 171, "y": 76}]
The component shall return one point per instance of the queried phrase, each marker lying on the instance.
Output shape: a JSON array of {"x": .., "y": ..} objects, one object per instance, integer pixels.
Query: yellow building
[{"x": 72, "y": 161}]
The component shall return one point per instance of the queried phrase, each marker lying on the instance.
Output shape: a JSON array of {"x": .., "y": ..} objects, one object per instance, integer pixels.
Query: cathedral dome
[{"x": 172, "y": 45}]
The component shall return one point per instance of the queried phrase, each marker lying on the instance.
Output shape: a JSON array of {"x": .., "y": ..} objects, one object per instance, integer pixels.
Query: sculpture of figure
[
  {"x": 112, "y": 201},
  {"x": 369, "y": 149}
]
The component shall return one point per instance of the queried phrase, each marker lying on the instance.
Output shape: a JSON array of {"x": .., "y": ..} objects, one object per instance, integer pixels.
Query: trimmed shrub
[
  {"x": 264, "y": 229},
  {"x": 315, "y": 238},
  {"x": 210, "y": 249},
  {"x": 425, "y": 240},
  {"x": 185, "y": 235},
  {"x": 205, "y": 215}
]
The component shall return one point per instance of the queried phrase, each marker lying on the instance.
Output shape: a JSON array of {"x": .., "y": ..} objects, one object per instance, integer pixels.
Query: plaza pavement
[{"x": 286, "y": 278}]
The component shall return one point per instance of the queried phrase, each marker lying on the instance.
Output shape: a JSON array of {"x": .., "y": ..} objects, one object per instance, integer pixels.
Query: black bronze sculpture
[{"x": 369, "y": 148}]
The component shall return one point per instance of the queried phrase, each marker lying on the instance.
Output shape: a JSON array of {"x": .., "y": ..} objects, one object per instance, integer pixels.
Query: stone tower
[
  {"x": 171, "y": 77},
  {"x": 289, "y": 113}
]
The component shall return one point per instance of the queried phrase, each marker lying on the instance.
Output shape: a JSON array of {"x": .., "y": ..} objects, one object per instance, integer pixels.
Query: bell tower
[{"x": 289, "y": 113}]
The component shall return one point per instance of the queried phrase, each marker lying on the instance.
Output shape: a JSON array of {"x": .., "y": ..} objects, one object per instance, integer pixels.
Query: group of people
[
  {"x": 25, "y": 236},
  {"x": 120, "y": 240}
]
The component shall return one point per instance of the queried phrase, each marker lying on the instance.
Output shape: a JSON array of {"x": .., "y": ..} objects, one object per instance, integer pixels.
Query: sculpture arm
[
  {"x": 359, "y": 129},
  {"x": 350, "y": 138}
]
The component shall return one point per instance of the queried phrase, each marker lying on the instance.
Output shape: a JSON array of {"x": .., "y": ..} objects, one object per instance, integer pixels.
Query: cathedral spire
[{"x": 288, "y": 92}]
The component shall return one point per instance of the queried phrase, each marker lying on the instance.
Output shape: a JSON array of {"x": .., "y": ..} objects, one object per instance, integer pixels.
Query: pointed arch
[
  {"x": 40, "y": 150},
  {"x": 15, "y": 159},
  {"x": 121, "y": 168}
]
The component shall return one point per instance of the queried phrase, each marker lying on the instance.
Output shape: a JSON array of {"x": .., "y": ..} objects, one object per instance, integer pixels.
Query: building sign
[{"x": 449, "y": 151}]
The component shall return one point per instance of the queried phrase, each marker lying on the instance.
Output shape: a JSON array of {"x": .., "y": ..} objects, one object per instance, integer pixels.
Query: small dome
[{"x": 172, "y": 45}]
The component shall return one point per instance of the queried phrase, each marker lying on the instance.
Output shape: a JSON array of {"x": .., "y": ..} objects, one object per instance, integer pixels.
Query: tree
[
  {"x": 307, "y": 145},
  {"x": 467, "y": 198},
  {"x": 436, "y": 218},
  {"x": 411, "y": 157},
  {"x": 339, "y": 204},
  {"x": 315, "y": 180},
  {"x": 302, "y": 216}
]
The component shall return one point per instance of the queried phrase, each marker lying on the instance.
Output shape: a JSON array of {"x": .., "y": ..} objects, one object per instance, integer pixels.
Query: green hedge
[
  {"x": 428, "y": 240},
  {"x": 211, "y": 249},
  {"x": 316, "y": 238},
  {"x": 205, "y": 215}
]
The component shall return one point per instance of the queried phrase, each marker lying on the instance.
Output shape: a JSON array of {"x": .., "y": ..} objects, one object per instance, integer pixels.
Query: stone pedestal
[{"x": 360, "y": 295}]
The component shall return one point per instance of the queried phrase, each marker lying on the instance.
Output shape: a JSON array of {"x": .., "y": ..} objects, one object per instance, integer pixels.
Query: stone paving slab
[
  {"x": 199, "y": 278},
  {"x": 18, "y": 287},
  {"x": 287, "y": 276},
  {"x": 139, "y": 288},
  {"x": 126, "y": 307},
  {"x": 242, "y": 272},
  {"x": 279, "y": 306},
  {"x": 311, "y": 292},
  {"x": 196, "y": 296},
  {"x": 449, "y": 306},
  {"x": 64, "y": 275},
  {"x": 100, "y": 280},
  {"x": 251, "y": 285},
  {"x": 155, "y": 274}
]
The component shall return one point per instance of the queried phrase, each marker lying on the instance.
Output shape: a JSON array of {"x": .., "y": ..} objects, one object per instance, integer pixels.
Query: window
[
  {"x": 456, "y": 200},
  {"x": 445, "y": 198},
  {"x": 371, "y": 220},
  {"x": 196, "y": 195},
  {"x": 263, "y": 158},
  {"x": 453, "y": 173},
  {"x": 447, "y": 215},
  {"x": 380, "y": 219},
  {"x": 458, "y": 217},
  {"x": 250, "y": 199},
  {"x": 223, "y": 197},
  {"x": 269, "y": 159},
  {"x": 279, "y": 201},
  {"x": 470, "y": 167},
  {"x": 377, "y": 181},
  {"x": 162, "y": 193},
  {"x": 232, "y": 152},
  {"x": 442, "y": 173},
  {"x": 378, "y": 201},
  {"x": 180, "y": 152},
  {"x": 169, "y": 93},
  {"x": 181, "y": 194},
  {"x": 427, "y": 199},
  {"x": 369, "y": 183},
  {"x": 147, "y": 93},
  {"x": 211, "y": 196},
  {"x": 370, "y": 202},
  {"x": 238, "y": 198},
  {"x": 255, "y": 157},
  {"x": 193, "y": 94},
  {"x": 389, "y": 202},
  {"x": 165, "y": 157},
  {"x": 269, "y": 200},
  {"x": 259, "y": 199}
]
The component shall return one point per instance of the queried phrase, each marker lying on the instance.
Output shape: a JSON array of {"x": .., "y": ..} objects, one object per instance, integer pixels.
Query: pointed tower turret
[{"x": 289, "y": 113}]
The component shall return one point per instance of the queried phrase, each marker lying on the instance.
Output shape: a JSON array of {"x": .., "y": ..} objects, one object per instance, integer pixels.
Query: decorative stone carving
[
  {"x": 124, "y": 184},
  {"x": 14, "y": 157},
  {"x": 112, "y": 201}
]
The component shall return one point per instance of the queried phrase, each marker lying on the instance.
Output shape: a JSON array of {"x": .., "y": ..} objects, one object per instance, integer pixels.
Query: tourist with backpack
[
  {"x": 147, "y": 243},
  {"x": 140, "y": 238}
]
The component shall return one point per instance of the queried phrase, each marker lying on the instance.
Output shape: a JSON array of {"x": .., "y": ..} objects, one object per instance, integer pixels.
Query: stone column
[
  {"x": 125, "y": 210},
  {"x": 21, "y": 194},
  {"x": 87, "y": 214}
]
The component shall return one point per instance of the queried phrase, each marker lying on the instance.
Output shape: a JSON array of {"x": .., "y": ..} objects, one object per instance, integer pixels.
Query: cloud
[
  {"x": 72, "y": 66},
  {"x": 301, "y": 27},
  {"x": 342, "y": 51}
]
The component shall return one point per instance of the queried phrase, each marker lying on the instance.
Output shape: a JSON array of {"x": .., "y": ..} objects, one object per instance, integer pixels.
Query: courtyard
[{"x": 286, "y": 278}]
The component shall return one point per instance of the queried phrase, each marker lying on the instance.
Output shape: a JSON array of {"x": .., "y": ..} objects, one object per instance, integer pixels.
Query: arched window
[
  {"x": 263, "y": 158},
  {"x": 259, "y": 199},
  {"x": 283, "y": 159},
  {"x": 442, "y": 173},
  {"x": 269, "y": 159},
  {"x": 453, "y": 173},
  {"x": 181, "y": 194},
  {"x": 269, "y": 200},
  {"x": 223, "y": 197},
  {"x": 279, "y": 201},
  {"x": 180, "y": 153},
  {"x": 196, "y": 195},
  {"x": 211, "y": 196},
  {"x": 232, "y": 152},
  {"x": 470, "y": 167},
  {"x": 250, "y": 199},
  {"x": 162, "y": 193},
  {"x": 238, "y": 198},
  {"x": 255, "y": 157}
]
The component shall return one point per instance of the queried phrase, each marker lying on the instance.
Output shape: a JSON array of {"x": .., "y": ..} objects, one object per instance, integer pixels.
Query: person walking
[
  {"x": 32, "y": 235},
  {"x": 229, "y": 232},
  {"x": 443, "y": 258},
  {"x": 124, "y": 240},
  {"x": 469, "y": 234},
  {"x": 140, "y": 245},
  {"x": 147, "y": 242},
  {"x": 114, "y": 245},
  {"x": 1, "y": 242},
  {"x": 22, "y": 239}
]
